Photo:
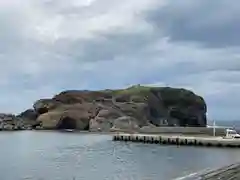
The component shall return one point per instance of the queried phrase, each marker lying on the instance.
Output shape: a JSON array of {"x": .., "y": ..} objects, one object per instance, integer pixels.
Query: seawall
[
  {"x": 176, "y": 130},
  {"x": 178, "y": 140}
]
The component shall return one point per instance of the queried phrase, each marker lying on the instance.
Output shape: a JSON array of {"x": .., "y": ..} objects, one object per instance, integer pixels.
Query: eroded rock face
[
  {"x": 29, "y": 114},
  {"x": 103, "y": 121},
  {"x": 29, "y": 118},
  {"x": 126, "y": 122},
  {"x": 134, "y": 107},
  {"x": 44, "y": 105},
  {"x": 78, "y": 116}
]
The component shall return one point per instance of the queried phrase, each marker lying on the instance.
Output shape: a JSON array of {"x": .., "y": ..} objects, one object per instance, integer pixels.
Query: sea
[{"x": 52, "y": 155}]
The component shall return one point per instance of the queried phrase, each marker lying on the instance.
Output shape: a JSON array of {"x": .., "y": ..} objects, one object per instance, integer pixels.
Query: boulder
[
  {"x": 44, "y": 105},
  {"x": 103, "y": 121},
  {"x": 100, "y": 124},
  {"x": 126, "y": 123}
]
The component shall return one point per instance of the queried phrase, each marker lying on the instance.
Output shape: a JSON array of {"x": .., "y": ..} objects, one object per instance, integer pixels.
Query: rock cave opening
[
  {"x": 154, "y": 113},
  {"x": 154, "y": 116},
  {"x": 86, "y": 128},
  {"x": 67, "y": 123},
  {"x": 177, "y": 114}
]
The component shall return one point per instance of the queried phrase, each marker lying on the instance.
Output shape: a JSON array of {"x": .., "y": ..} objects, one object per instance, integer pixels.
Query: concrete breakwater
[
  {"x": 231, "y": 172},
  {"x": 183, "y": 130},
  {"x": 178, "y": 140},
  {"x": 193, "y": 131}
]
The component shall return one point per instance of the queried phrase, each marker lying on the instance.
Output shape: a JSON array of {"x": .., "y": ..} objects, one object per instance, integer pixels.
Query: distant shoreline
[
  {"x": 61, "y": 131},
  {"x": 187, "y": 131},
  {"x": 196, "y": 131}
]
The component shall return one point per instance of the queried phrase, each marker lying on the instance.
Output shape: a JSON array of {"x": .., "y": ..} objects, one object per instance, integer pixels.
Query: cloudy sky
[{"x": 47, "y": 46}]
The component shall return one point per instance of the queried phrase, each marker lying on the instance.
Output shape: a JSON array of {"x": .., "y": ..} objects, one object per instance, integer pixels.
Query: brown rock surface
[{"x": 133, "y": 107}]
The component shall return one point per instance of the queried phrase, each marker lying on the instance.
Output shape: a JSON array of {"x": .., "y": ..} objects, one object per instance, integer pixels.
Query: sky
[{"x": 47, "y": 46}]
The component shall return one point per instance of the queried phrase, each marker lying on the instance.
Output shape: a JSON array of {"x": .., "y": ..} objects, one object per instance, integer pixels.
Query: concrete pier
[{"x": 178, "y": 140}]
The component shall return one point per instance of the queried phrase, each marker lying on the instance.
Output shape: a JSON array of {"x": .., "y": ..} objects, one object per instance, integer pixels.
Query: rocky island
[{"x": 130, "y": 108}]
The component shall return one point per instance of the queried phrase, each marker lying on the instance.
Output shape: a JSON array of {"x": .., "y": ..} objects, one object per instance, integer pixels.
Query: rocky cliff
[{"x": 129, "y": 108}]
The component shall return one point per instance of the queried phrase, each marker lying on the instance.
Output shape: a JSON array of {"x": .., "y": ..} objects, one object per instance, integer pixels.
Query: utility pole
[{"x": 214, "y": 130}]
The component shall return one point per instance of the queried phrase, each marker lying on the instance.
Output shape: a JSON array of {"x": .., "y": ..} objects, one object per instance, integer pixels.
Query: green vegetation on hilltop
[
  {"x": 170, "y": 96},
  {"x": 136, "y": 89}
]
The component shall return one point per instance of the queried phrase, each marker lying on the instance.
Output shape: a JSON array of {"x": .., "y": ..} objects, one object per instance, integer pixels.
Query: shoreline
[
  {"x": 61, "y": 131},
  {"x": 165, "y": 131}
]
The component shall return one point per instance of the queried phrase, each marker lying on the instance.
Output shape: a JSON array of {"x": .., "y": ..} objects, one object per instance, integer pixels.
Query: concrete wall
[
  {"x": 182, "y": 130},
  {"x": 175, "y": 130}
]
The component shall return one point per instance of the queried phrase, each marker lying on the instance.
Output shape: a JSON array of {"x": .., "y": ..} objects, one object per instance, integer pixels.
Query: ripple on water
[{"x": 63, "y": 156}]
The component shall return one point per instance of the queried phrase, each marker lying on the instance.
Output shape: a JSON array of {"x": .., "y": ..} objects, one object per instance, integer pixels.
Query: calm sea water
[{"x": 68, "y": 156}]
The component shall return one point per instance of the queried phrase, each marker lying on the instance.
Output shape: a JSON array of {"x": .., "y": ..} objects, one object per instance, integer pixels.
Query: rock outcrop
[
  {"x": 29, "y": 118},
  {"x": 29, "y": 114},
  {"x": 7, "y": 117},
  {"x": 129, "y": 108},
  {"x": 10, "y": 122}
]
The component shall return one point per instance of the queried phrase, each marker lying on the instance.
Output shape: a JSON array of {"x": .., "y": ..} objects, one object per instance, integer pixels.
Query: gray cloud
[
  {"x": 213, "y": 23},
  {"x": 57, "y": 45}
]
